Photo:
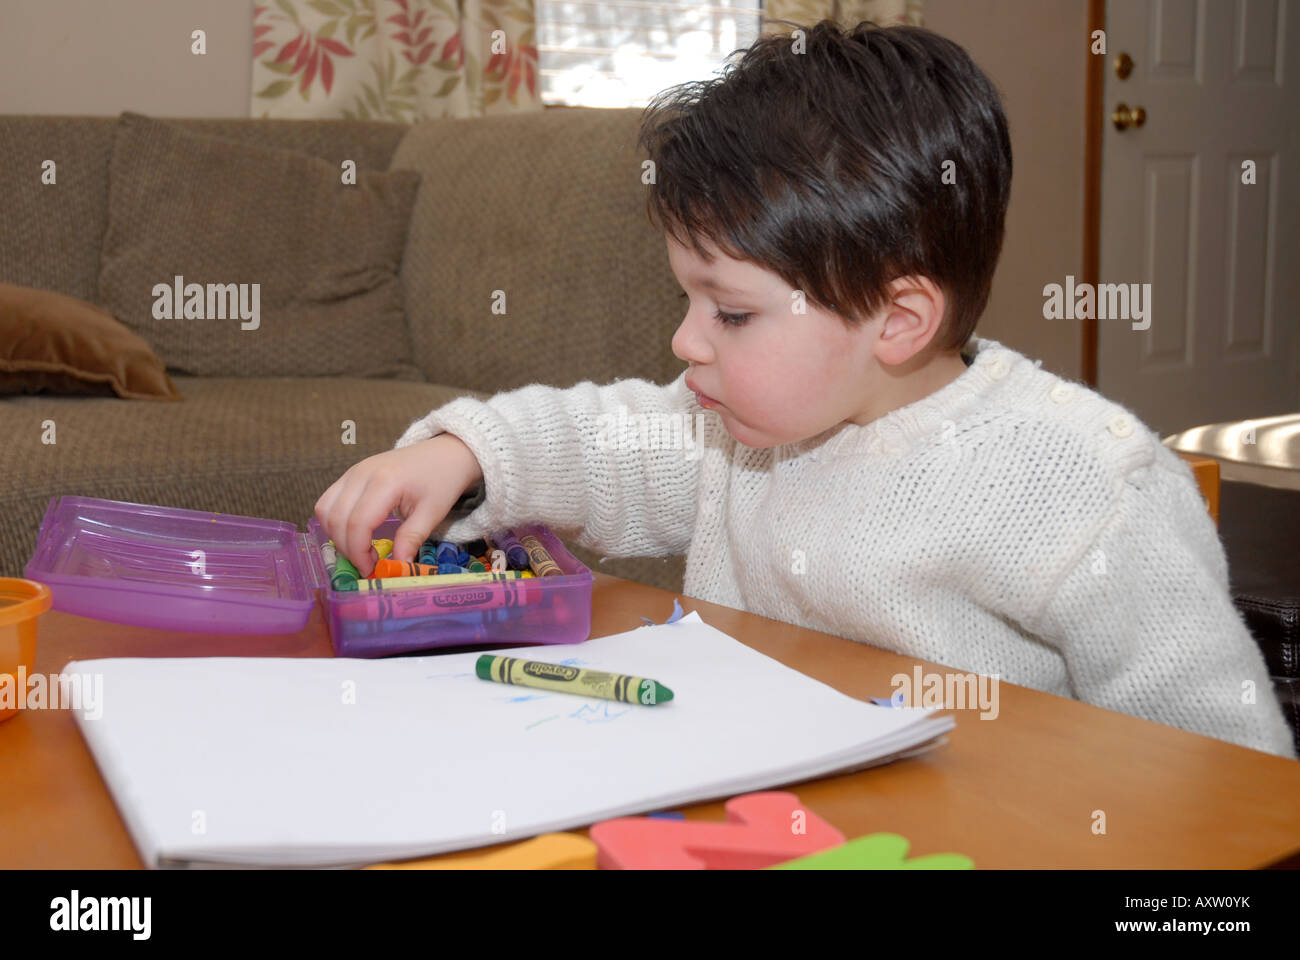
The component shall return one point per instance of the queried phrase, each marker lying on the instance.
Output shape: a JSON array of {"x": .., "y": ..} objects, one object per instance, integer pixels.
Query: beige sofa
[{"x": 546, "y": 205}]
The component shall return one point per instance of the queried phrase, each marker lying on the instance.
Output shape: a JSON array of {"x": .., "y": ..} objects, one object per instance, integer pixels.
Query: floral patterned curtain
[
  {"x": 847, "y": 13},
  {"x": 396, "y": 60}
]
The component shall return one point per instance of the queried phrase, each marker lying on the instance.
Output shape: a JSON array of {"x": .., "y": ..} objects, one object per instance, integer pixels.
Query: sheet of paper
[{"x": 335, "y": 762}]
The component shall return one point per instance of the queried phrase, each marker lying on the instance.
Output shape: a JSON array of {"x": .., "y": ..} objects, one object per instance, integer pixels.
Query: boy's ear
[{"x": 910, "y": 321}]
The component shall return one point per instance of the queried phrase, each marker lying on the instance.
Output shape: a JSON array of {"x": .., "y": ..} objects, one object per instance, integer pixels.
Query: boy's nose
[{"x": 688, "y": 345}]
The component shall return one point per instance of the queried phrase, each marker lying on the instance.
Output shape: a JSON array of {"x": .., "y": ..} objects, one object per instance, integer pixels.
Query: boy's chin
[{"x": 747, "y": 437}]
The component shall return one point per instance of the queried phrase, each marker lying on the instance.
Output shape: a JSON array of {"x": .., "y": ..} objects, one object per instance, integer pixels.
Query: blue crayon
[
  {"x": 428, "y": 554},
  {"x": 452, "y": 568},
  {"x": 448, "y": 552},
  {"x": 516, "y": 555}
]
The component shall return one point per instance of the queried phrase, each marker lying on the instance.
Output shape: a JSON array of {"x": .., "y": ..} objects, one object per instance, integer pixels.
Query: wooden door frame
[{"x": 1094, "y": 117}]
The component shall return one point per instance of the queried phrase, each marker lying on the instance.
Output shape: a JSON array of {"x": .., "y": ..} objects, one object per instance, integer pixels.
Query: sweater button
[
  {"x": 1061, "y": 393},
  {"x": 999, "y": 368},
  {"x": 1121, "y": 427}
]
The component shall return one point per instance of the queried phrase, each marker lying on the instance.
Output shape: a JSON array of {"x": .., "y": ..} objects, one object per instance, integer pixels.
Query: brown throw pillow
[
  {"x": 51, "y": 343},
  {"x": 284, "y": 269}
]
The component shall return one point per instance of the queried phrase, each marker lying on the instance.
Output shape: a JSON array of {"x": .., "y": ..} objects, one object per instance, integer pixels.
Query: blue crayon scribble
[
  {"x": 574, "y": 662},
  {"x": 523, "y": 698},
  {"x": 446, "y": 676},
  {"x": 598, "y": 714}
]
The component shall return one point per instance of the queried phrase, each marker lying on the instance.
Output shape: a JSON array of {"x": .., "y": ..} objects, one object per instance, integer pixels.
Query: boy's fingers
[
  {"x": 340, "y": 512},
  {"x": 368, "y": 514},
  {"x": 369, "y": 506},
  {"x": 414, "y": 530}
]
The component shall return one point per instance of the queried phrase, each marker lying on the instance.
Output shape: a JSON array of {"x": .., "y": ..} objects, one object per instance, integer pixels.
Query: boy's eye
[{"x": 729, "y": 319}]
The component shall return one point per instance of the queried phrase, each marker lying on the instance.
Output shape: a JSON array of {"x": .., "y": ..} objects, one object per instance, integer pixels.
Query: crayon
[
  {"x": 451, "y": 568},
  {"x": 448, "y": 552},
  {"x": 388, "y": 567},
  {"x": 345, "y": 576},
  {"x": 383, "y": 547},
  {"x": 398, "y": 605},
  {"x": 540, "y": 561},
  {"x": 477, "y": 547},
  {"x": 516, "y": 555},
  {"x": 477, "y": 566},
  {"x": 564, "y": 679},
  {"x": 442, "y": 580},
  {"x": 528, "y": 574},
  {"x": 330, "y": 556},
  {"x": 428, "y": 554}
]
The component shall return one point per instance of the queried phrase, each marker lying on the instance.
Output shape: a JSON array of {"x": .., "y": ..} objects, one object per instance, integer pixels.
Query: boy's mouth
[{"x": 703, "y": 399}]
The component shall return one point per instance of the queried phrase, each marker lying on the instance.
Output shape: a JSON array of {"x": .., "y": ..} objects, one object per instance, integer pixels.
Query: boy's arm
[
  {"x": 575, "y": 460},
  {"x": 1146, "y": 625}
]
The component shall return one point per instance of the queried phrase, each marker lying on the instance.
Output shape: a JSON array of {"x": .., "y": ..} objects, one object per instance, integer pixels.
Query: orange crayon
[{"x": 388, "y": 567}]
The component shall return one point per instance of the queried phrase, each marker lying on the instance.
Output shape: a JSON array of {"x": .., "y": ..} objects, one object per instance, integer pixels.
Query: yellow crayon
[
  {"x": 542, "y": 563},
  {"x": 382, "y": 547},
  {"x": 441, "y": 580}
]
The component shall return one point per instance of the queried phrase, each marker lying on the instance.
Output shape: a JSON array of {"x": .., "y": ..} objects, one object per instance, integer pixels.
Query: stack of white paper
[{"x": 335, "y": 762}]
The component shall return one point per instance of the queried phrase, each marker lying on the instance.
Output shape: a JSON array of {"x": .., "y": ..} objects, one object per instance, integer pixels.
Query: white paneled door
[{"x": 1201, "y": 200}]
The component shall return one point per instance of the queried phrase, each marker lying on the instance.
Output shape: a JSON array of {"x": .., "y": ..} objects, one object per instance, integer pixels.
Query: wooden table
[{"x": 1017, "y": 791}]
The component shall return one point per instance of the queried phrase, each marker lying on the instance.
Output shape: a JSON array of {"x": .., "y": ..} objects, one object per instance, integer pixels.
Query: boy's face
[{"x": 778, "y": 376}]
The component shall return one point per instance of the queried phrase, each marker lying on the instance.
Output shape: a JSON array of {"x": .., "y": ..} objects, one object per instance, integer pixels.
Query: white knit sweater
[{"x": 1011, "y": 523}]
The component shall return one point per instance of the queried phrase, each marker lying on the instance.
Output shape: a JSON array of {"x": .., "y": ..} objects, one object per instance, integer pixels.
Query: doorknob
[{"x": 1125, "y": 117}]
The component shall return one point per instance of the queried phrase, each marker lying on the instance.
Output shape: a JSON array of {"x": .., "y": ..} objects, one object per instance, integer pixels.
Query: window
[{"x": 620, "y": 53}]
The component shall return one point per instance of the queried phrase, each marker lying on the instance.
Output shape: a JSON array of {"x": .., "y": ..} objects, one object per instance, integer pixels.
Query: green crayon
[
  {"x": 565, "y": 679},
  {"x": 343, "y": 576}
]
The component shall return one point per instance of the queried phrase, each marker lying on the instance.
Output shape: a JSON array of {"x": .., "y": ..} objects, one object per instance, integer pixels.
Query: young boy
[{"x": 863, "y": 466}]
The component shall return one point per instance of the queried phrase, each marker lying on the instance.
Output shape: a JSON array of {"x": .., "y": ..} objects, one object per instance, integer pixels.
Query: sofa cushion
[
  {"x": 58, "y": 344},
  {"x": 541, "y": 214},
  {"x": 284, "y": 270},
  {"x": 63, "y": 215}
]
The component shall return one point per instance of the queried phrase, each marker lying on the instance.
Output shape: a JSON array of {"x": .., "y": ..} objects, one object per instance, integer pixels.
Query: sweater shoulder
[{"x": 1097, "y": 435}]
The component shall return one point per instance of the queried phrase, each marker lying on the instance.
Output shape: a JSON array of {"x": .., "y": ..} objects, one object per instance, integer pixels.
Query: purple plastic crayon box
[{"x": 191, "y": 570}]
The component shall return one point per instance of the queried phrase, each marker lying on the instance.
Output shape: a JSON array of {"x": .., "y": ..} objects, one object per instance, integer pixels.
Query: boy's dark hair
[{"x": 825, "y": 167}]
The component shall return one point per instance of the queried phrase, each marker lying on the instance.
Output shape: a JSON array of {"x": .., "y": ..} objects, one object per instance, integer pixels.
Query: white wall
[
  {"x": 100, "y": 57},
  {"x": 1035, "y": 52}
]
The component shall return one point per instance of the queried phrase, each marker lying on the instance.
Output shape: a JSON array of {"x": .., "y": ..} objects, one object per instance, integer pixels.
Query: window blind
[{"x": 620, "y": 53}]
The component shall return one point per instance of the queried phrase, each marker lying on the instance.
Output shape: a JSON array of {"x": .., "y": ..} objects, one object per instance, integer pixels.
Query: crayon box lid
[{"x": 176, "y": 569}]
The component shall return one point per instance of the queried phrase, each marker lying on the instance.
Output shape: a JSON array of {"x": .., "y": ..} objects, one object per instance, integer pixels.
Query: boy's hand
[{"x": 423, "y": 481}]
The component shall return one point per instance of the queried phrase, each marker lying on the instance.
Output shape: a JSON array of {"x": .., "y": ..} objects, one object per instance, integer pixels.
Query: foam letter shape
[
  {"x": 759, "y": 832},
  {"x": 879, "y": 851},
  {"x": 550, "y": 851}
]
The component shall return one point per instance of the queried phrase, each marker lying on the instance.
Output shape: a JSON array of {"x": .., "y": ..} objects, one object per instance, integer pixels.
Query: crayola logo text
[
  {"x": 467, "y": 599},
  {"x": 552, "y": 671}
]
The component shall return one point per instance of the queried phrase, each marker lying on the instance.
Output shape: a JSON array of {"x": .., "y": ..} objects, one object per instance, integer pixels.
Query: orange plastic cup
[{"x": 21, "y": 602}]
